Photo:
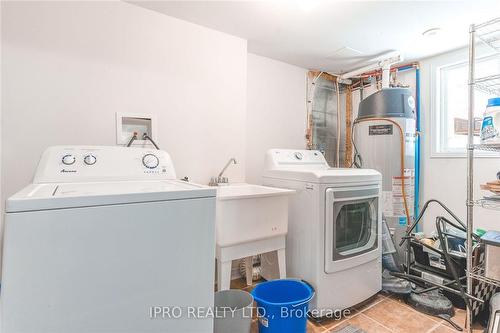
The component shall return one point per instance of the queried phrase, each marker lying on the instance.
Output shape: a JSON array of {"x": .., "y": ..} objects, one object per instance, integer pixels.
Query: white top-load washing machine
[
  {"x": 334, "y": 227},
  {"x": 107, "y": 240}
]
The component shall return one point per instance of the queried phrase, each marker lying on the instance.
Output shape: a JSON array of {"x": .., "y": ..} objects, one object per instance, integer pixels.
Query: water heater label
[
  {"x": 380, "y": 130},
  {"x": 398, "y": 205}
]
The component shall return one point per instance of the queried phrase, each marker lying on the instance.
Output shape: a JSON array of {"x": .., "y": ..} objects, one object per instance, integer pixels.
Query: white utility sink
[{"x": 247, "y": 212}]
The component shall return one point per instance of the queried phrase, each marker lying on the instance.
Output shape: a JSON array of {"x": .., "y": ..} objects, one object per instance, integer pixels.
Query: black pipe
[
  {"x": 422, "y": 212},
  {"x": 132, "y": 139},
  {"x": 447, "y": 284},
  {"x": 145, "y": 136},
  {"x": 451, "y": 265},
  {"x": 413, "y": 278}
]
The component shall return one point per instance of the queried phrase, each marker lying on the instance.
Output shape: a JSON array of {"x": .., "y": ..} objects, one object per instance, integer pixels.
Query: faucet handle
[
  {"x": 213, "y": 182},
  {"x": 222, "y": 180}
]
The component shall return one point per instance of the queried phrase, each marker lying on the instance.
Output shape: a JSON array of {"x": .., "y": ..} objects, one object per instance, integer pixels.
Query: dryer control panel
[
  {"x": 61, "y": 164},
  {"x": 291, "y": 157}
]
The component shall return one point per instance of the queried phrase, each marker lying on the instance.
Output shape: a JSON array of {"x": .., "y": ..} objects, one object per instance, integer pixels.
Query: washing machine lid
[
  {"x": 326, "y": 176},
  {"x": 73, "y": 195}
]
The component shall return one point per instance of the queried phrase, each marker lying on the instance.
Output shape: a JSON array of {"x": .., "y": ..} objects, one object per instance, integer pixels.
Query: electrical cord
[{"x": 357, "y": 160}]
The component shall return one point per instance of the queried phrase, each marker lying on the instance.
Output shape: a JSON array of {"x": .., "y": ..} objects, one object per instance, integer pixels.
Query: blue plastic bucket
[{"x": 282, "y": 305}]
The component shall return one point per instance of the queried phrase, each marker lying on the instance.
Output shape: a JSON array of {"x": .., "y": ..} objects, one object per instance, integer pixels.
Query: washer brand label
[
  {"x": 380, "y": 130},
  {"x": 67, "y": 171}
]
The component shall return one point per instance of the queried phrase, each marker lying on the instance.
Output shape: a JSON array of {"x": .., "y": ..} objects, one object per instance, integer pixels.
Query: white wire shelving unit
[
  {"x": 489, "y": 34},
  {"x": 493, "y": 148},
  {"x": 489, "y": 84},
  {"x": 478, "y": 274},
  {"x": 488, "y": 203}
]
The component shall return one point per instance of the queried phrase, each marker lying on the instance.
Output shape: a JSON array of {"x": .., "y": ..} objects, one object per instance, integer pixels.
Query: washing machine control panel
[{"x": 102, "y": 163}]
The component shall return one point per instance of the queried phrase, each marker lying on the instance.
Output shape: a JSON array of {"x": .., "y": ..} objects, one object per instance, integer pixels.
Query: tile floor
[{"x": 381, "y": 314}]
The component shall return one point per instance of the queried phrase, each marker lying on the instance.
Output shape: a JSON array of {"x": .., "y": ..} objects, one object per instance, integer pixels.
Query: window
[{"x": 451, "y": 105}]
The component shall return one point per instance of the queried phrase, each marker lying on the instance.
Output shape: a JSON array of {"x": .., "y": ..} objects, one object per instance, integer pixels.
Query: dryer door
[{"x": 351, "y": 227}]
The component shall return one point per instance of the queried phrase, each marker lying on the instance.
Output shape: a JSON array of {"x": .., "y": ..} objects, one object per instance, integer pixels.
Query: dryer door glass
[
  {"x": 354, "y": 228},
  {"x": 351, "y": 227}
]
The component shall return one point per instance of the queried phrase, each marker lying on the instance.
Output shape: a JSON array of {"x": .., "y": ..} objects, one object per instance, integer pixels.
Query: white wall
[
  {"x": 68, "y": 67},
  {"x": 276, "y": 110}
]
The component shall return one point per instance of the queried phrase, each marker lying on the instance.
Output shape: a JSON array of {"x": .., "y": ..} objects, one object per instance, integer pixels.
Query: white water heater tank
[{"x": 377, "y": 137}]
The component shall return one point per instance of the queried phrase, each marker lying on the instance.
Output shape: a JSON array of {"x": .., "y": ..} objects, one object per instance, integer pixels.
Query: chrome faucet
[
  {"x": 220, "y": 179},
  {"x": 231, "y": 160}
]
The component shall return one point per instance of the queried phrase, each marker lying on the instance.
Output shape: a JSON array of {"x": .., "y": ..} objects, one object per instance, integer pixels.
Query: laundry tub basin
[{"x": 247, "y": 212}]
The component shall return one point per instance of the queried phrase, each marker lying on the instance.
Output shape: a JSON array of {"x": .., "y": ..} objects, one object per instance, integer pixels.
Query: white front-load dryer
[{"x": 334, "y": 235}]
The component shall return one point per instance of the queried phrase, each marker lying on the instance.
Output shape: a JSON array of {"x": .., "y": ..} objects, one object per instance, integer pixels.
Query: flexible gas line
[{"x": 402, "y": 152}]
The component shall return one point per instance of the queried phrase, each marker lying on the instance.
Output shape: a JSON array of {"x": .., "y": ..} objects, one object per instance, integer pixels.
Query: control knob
[
  {"x": 89, "y": 159},
  {"x": 68, "y": 159},
  {"x": 150, "y": 161}
]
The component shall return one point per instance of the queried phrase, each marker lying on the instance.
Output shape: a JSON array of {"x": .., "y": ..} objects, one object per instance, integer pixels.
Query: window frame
[{"x": 438, "y": 118}]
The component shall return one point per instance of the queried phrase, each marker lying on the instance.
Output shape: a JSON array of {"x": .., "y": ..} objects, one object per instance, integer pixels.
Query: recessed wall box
[{"x": 127, "y": 124}]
